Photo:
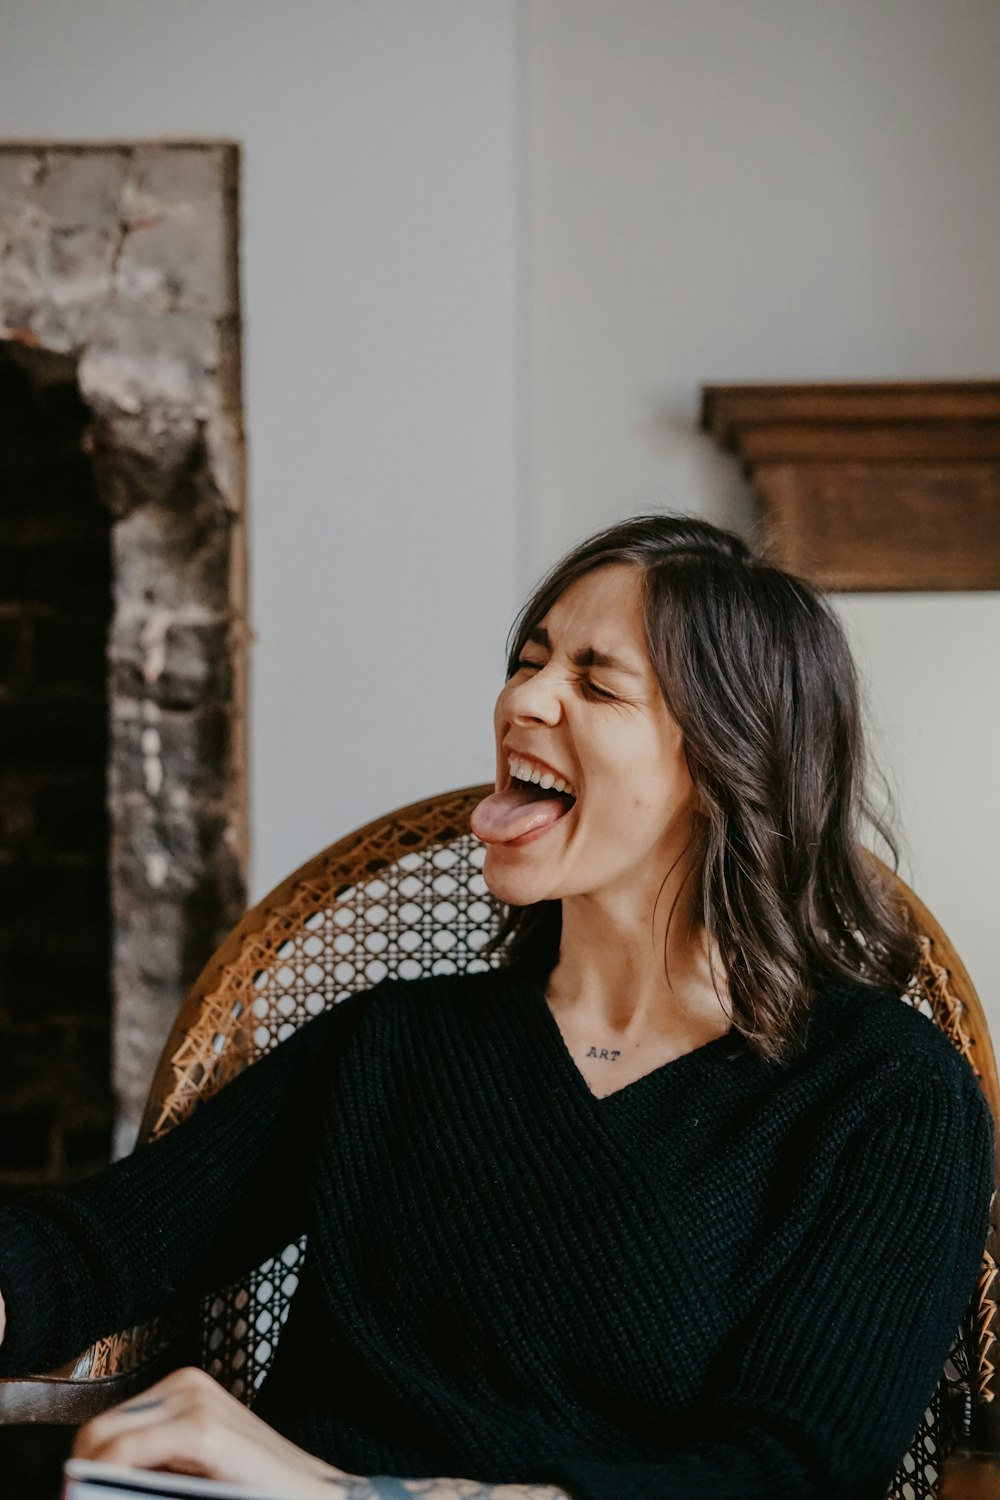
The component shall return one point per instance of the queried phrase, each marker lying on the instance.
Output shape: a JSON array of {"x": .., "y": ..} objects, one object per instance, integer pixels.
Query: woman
[{"x": 680, "y": 1200}]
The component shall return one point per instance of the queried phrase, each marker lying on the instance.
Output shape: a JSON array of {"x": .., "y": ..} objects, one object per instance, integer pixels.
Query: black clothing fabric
[{"x": 731, "y": 1278}]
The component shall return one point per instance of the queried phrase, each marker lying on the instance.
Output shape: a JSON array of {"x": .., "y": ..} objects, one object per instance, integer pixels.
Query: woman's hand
[{"x": 188, "y": 1424}]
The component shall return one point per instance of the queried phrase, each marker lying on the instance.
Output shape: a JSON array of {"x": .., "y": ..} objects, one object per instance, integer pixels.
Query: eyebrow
[{"x": 588, "y": 657}]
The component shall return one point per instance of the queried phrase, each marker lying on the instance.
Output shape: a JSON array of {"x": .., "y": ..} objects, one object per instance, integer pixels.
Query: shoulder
[
  {"x": 456, "y": 995},
  {"x": 878, "y": 1090},
  {"x": 888, "y": 1047}
]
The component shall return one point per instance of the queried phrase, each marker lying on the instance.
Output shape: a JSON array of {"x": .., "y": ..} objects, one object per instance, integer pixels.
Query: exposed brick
[
  {"x": 84, "y": 1062},
  {"x": 158, "y": 358},
  {"x": 77, "y": 573},
  {"x": 165, "y": 177},
  {"x": 82, "y": 263},
  {"x": 18, "y": 172},
  {"x": 175, "y": 260},
  {"x": 174, "y": 665},
  {"x": 17, "y": 813},
  {"x": 28, "y": 1062},
  {"x": 55, "y": 586},
  {"x": 86, "y": 1145},
  {"x": 161, "y": 754},
  {"x": 15, "y": 648},
  {"x": 26, "y": 1138},
  {"x": 82, "y": 189},
  {"x": 53, "y": 731},
  {"x": 51, "y": 518},
  {"x": 69, "y": 813},
  {"x": 57, "y": 972},
  {"x": 68, "y": 650},
  {"x": 120, "y": 264},
  {"x": 66, "y": 896},
  {"x": 169, "y": 560}
]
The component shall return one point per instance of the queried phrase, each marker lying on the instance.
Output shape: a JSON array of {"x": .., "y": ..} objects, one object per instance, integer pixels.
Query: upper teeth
[{"x": 522, "y": 770}]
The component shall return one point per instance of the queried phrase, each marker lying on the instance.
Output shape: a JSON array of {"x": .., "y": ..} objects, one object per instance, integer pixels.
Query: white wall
[
  {"x": 717, "y": 190},
  {"x": 724, "y": 190},
  {"x": 380, "y": 286}
]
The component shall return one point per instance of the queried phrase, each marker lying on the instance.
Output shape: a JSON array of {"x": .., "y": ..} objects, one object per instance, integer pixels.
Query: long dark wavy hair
[{"x": 756, "y": 671}]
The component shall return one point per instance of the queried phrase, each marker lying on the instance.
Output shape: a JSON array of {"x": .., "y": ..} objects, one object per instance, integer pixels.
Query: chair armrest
[
  {"x": 58, "y": 1400},
  {"x": 75, "y": 1393},
  {"x": 967, "y": 1475}
]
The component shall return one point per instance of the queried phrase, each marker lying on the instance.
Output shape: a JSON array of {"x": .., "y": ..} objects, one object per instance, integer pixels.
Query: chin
[{"x": 512, "y": 886}]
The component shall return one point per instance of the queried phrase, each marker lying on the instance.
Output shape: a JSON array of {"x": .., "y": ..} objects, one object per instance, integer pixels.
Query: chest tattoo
[{"x": 605, "y": 1054}]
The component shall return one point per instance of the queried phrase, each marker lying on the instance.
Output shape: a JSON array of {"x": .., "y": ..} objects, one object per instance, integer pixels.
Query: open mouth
[
  {"x": 536, "y": 773},
  {"x": 525, "y": 805}
]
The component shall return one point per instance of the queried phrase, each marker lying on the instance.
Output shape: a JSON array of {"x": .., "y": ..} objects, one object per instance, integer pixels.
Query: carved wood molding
[{"x": 871, "y": 485}]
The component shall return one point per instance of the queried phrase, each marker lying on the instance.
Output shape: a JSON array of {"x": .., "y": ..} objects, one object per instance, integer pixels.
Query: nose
[{"x": 534, "y": 700}]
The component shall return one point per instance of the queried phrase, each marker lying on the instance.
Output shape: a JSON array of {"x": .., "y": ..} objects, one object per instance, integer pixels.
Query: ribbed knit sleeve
[
  {"x": 185, "y": 1214},
  {"x": 831, "y": 1374}
]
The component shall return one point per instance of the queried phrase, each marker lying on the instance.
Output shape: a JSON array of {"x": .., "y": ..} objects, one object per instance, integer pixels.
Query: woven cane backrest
[
  {"x": 943, "y": 991},
  {"x": 405, "y": 897}
]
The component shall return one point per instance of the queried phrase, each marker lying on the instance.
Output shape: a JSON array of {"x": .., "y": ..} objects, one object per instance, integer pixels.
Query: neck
[{"x": 638, "y": 967}]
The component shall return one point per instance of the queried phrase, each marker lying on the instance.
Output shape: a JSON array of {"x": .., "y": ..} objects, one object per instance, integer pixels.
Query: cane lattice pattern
[
  {"x": 405, "y": 897},
  {"x": 931, "y": 992},
  {"x": 963, "y": 1382},
  {"x": 426, "y": 913}
]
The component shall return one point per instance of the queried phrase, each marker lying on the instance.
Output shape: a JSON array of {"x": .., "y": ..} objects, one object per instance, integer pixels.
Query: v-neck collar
[{"x": 726, "y": 1047}]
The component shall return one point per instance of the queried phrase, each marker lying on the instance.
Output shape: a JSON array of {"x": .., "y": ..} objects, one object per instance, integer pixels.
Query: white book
[{"x": 85, "y": 1480}]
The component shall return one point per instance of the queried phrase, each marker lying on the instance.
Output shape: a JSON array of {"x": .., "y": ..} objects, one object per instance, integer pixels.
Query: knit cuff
[{"x": 32, "y": 1276}]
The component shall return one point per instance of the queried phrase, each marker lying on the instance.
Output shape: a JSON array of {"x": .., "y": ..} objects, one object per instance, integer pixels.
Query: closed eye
[{"x": 591, "y": 687}]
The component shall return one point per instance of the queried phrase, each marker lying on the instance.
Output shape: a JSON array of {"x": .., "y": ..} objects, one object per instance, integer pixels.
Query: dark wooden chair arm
[
  {"x": 970, "y": 1476},
  {"x": 61, "y": 1402},
  {"x": 67, "y": 1398}
]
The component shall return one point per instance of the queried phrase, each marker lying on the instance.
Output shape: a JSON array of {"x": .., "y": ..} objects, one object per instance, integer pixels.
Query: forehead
[{"x": 606, "y": 603}]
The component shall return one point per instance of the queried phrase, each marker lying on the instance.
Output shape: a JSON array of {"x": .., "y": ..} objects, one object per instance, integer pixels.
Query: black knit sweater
[{"x": 729, "y": 1279}]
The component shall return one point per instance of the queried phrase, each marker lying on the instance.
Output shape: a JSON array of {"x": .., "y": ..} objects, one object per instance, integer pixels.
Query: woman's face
[{"x": 586, "y": 704}]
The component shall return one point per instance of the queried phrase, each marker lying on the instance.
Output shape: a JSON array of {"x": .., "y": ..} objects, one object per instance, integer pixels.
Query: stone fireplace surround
[{"x": 121, "y": 260}]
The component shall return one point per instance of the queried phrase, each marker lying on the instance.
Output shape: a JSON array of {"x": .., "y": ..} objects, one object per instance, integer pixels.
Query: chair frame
[{"x": 211, "y": 1040}]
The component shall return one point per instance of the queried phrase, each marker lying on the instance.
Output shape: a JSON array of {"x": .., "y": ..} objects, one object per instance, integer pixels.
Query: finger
[
  {"x": 174, "y": 1442},
  {"x": 149, "y": 1406},
  {"x": 93, "y": 1436},
  {"x": 93, "y": 1439},
  {"x": 185, "y": 1387},
  {"x": 129, "y": 1408}
]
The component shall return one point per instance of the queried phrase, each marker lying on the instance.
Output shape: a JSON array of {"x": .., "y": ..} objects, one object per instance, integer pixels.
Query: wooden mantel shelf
[{"x": 871, "y": 485}]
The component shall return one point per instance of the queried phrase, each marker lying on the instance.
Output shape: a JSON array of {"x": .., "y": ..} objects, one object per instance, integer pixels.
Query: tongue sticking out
[{"x": 521, "y": 809}]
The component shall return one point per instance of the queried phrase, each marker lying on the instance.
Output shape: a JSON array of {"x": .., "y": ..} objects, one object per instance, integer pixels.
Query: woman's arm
[
  {"x": 827, "y": 1381},
  {"x": 189, "y": 1424},
  {"x": 185, "y": 1214}
]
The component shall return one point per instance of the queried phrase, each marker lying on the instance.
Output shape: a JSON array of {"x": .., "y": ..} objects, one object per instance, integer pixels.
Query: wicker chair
[{"x": 405, "y": 896}]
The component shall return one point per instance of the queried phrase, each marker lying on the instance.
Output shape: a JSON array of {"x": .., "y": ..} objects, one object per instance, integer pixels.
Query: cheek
[
  {"x": 501, "y": 722},
  {"x": 500, "y": 713},
  {"x": 658, "y": 784}
]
